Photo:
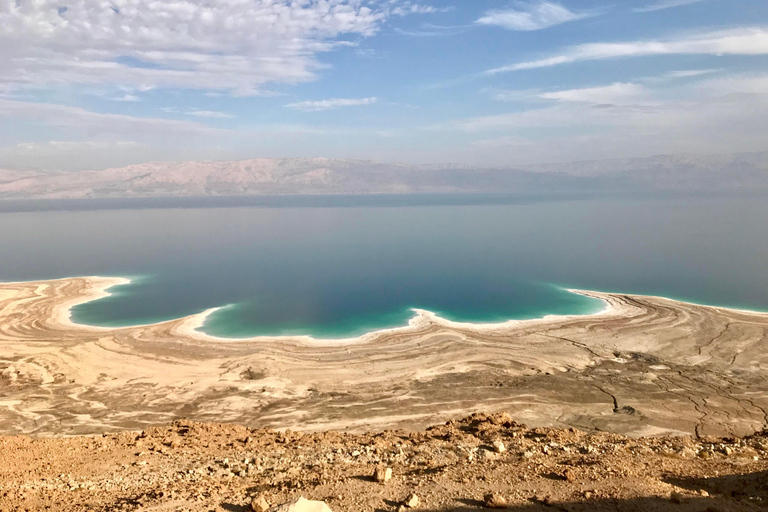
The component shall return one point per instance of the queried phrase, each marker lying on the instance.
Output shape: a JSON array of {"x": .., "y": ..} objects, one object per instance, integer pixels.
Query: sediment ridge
[{"x": 644, "y": 366}]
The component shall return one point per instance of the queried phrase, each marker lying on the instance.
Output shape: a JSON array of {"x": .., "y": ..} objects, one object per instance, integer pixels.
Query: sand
[{"x": 642, "y": 366}]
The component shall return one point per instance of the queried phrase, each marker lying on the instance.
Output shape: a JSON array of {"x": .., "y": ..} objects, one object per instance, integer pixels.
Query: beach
[{"x": 642, "y": 366}]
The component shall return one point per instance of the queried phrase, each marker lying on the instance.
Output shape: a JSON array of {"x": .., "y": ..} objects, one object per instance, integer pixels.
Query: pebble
[
  {"x": 499, "y": 447},
  {"x": 259, "y": 504},
  {"x": 494, "y": 500},
  {"x": 303, "y": 505},
  {"x": 412, "y": 501},
  {"x": 382, "y": 475}
]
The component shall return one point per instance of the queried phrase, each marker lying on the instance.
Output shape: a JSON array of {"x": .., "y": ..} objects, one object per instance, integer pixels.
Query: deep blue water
[{"x": 341, "y": 266}]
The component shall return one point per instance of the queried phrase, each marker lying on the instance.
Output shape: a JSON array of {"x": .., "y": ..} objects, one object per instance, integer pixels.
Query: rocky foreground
[{"x": 478, "y": 462}]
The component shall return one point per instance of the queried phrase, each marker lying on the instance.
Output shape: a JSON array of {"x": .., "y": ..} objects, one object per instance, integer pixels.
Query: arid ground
[
  {"x": 588, "y": 387},
  {"x": 645, "y": 366},
  {"x": 208, "y": 467}
]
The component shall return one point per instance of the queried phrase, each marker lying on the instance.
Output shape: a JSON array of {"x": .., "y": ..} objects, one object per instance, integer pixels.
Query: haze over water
[{"x": 343, "y": 271}]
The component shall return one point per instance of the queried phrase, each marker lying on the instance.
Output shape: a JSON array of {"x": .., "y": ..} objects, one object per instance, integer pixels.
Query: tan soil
[
  {"x": 202, "y": 467},
  {"x": 647, "y": 366}
]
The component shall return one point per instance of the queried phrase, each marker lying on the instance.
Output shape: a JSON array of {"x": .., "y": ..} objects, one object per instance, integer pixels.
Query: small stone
[
  {"x": 382, "y": 475},
  {"x": 703, "y": 493},
  {"x": 302, "y": 505},
  {"x": 499, "y": 446},
  {"x": 412, "y": 501},
  {"x": 676, "y": 498},
  {"x": 259, "y": 504},
  {"x": 569, "y": 474},
  {"x": 494, "y": 500}
]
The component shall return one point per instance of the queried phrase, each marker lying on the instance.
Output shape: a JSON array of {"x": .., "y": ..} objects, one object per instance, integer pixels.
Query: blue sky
[{"x": 94, "y": 84}]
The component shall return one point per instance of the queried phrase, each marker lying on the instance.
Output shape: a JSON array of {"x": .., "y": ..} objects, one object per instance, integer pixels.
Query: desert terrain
[
  {"x": 644, "y": 366},
  {"x": 650, "y": 405},
  {"x": 460, "y": 466}
]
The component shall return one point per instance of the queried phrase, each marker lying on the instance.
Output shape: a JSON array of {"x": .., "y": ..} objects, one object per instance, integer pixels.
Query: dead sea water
[{"x": 339, "y": 267}]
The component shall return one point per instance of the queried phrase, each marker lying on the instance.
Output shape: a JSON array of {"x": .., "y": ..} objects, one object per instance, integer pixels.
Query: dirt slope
[{"x": 201, "y": 467}]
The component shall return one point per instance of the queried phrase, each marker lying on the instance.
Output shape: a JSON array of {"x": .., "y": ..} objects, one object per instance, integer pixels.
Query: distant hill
[{"x": 672, "y": 173}]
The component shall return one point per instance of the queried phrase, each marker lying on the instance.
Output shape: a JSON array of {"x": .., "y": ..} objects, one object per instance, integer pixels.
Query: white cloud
[
  {"x": 743, "y": 41},
  {"x": 232, "y": 45},
  {"x": 623, "y": 119},
  {"x": 690, "y": 73},
  {"x": 215, "y": 114},
  {"x": 413, "y": 8},
  {"x": 665, "y": 4},
  {"x": 615, "y": 94},
  {"x": 94, "y": 123},
  {"x": 736, "y": 84},
  {"x": 127, "y": 97},
  {"x": 534, "y": 16},
  {"x": 316, "y": 106}
]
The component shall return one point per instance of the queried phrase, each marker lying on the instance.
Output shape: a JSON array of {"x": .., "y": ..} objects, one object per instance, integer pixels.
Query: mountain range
[{"x": 306, "y": 176}]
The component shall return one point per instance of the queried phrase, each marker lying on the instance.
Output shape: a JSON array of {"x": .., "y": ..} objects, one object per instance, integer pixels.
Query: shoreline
[
  {"x": 191, "y": 324},
  {"x": 640, "y": 366}
]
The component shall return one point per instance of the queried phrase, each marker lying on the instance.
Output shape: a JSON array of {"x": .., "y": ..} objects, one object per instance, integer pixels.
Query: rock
[
  {"x": 412, "y": 501},
  {"x": 494, "y": 500},
  {"x": 302, "y": 505},
  {"x": 259, "y": 504},
  {"x": 382, "y": 475},
  {"x": 499, "y": 446},
  {"x": 569, "y": 474}
]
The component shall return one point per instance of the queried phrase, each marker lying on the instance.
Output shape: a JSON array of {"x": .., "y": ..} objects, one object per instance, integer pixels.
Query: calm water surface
[{"x": 333, "y": 271}]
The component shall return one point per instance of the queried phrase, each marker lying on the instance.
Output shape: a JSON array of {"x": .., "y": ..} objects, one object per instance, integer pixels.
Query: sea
[{"x": 341, "y": 266}]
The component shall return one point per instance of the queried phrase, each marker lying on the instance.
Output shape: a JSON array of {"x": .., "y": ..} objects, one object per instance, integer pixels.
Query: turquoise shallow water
[{"x": 332, "y": 272}]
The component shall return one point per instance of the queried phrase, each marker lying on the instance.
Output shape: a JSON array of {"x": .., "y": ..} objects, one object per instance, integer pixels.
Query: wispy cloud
[
  {"x": 665, "y": 4},
  {"x": 214, "y": 114},
  {"x": 616, "y": 94},
  {"x": 430, "y": 30},
  {"x": 236, "y": 47},
  {"x": 743, "y": 41},
  {"x": 127, "y": 97},
  {"x": 331, "y": 104},
  {"x": 80, "y": 119},
  {"x": 532, "y": 16},
  {"x": 736, "y": 84},
  {"x": 624, "y": 119},
  {"x": 690, "y": 73}
]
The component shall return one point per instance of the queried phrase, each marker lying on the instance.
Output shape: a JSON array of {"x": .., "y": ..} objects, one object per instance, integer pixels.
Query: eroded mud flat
[{"x": 644, "y": 366}]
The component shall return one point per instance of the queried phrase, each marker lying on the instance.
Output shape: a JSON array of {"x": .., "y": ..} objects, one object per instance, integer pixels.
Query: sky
[{"x": 91, "y": 84}]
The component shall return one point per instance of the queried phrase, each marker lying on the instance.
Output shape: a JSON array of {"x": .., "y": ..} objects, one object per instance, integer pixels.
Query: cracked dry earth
[
  {"x": 198, "y": 467},
  {"x": 645, "y": 366}
]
